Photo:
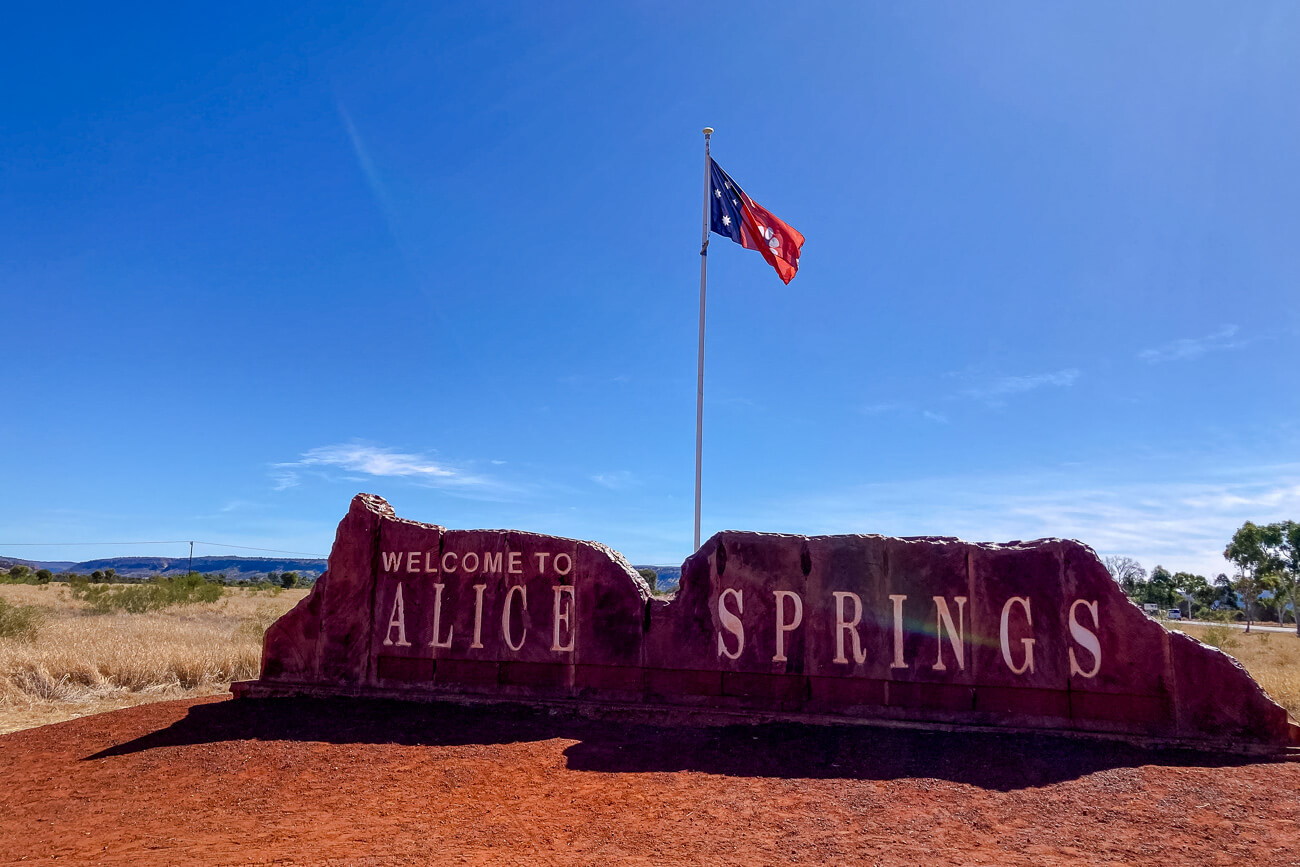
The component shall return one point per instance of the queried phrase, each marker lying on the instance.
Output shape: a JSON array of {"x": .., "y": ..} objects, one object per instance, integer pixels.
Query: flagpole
[{"x": 699, "y": 390}]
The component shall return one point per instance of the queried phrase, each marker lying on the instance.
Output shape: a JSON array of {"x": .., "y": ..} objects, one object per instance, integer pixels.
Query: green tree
[
  {"x": 1252, "y": 551},
  {"x": 1197, "y": 587},
  {"x": 1288, "y": 553},
  {"x": 288, "y": 580},
  {"x": 651, "y": 577},
  {"x": 1160, "y": 588},
  {"x": 44, "y": 575},
  {"x": 97, "y": 576},
  {"x": 19, "y": 573}
]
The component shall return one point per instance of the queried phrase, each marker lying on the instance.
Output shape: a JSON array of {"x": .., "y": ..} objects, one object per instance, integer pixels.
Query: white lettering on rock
[
  {"x": 437, "y": 618},
  {"x": 1086, "y": 637},
  {"x": 465, "y": 564},
  {"x": 392, "y": 560},
  {"x": 1004, "y": 636},
  {"x": 398, "y": 619},
  {"x": 568, "y": 564},
  {"x": 843, "y": 626},
  {"x": 542, "y": 557},
  {"x": 898, "y": 631},
  {"x": 731, "y": 622},
  {"x": 492, "y": 562},
  {"x": 505, "y": 616},
  {"x": 478, "y": 616},
  {"x": 514, "y": 566},
  {"x": 449, "y": 568},
  {"x": 563, "y": 616},
  {"x": 782, "y": 625},
  {"x": 412, "y": 561},
  {"x": 956, "y": 635}
]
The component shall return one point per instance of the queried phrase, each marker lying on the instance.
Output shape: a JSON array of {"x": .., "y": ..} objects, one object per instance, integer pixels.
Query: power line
[{"x": 158, "y": 542}]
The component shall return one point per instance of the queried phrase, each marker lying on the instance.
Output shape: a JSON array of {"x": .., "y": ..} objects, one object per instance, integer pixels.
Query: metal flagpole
[{"x": 699, "y": 390}]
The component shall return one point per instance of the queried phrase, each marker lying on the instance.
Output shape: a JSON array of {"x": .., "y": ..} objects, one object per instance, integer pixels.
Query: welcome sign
[{"x": 932, "y": 631}]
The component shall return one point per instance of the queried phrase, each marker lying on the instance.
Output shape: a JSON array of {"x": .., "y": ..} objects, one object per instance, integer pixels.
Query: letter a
[{"x": 398, "y": 619}]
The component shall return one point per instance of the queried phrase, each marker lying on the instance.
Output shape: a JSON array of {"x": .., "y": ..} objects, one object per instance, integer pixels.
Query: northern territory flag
[{"x": 750, "y": 225}]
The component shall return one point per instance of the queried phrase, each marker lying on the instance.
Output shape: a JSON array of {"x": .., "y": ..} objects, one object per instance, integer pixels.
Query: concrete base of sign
[{"x": 930, "y": 632}]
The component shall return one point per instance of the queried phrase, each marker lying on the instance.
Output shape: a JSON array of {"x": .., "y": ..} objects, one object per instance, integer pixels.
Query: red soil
[{"x": 334, "y": 782}]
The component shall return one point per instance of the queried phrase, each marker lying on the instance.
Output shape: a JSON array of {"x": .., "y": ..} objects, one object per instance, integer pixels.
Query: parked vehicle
[{"x": 1175, "y": 614}]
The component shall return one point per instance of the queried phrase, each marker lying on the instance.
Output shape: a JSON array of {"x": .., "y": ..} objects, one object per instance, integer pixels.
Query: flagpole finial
[{"x": 708, "y": 130}]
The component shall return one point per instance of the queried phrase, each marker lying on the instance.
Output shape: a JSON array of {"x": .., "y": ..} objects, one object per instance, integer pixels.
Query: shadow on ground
[{"x": 1001, "y": 762}]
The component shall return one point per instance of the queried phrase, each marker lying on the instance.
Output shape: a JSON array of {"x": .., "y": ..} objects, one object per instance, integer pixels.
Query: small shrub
[
  {"x": 156, "y": 595},
  {"x": 20, "y": 622},
  {"x": 1221, "y": 637}
]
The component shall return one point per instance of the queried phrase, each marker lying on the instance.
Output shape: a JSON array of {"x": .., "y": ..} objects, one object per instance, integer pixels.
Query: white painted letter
[
  {"x": 398, "y": 619},
  {"x": 505, "y": 616},
  {"x": 898, "y": 632},
  {"x": 1086, "y": 637},
  {"x": 412, "y": 558},
  {"x": 437, "y": 618},
  {"x": 464, "y": 562},
  {"x": 568, "y": 564},
  {"x": 430, "y": 562},
  {"x": 492, "y": 562},
  {"x": 541, "y": 560},
  {"x": 392, "y": 560},
  {"x": 955, "y": 636},
  {"x": 1004, "y": 634},
  {"x": 516, "y": 568},
  {"x": 850, "y": 626},
  {"x": 452, "y": 567},
  {"x": 731, "y": 623},
  {"x": 779, "y": 597},
  {"x": 560, "y": 590},
  {"x": 478, "y": 616}
]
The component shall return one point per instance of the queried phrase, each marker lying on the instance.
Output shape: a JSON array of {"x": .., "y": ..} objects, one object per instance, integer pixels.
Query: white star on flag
[{"x": 726, "y": 221}]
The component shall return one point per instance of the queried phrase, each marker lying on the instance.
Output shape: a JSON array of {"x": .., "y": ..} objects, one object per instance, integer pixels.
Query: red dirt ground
[{"x": 298, "y": 781}]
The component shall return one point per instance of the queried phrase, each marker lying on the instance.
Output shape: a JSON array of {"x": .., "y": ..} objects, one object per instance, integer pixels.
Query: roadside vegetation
[
  {"x": 75, "y": 648},
  {"x": 1272, "y": 658},
  {"x": 1264, "y": 584}
]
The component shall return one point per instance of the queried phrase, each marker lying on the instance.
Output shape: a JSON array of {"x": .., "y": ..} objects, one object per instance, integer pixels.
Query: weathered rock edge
[{"x": 633, "y": 653}]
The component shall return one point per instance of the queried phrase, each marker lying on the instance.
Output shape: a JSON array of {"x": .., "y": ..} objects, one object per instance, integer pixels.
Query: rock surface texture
[{"x": 927, "y": 631}]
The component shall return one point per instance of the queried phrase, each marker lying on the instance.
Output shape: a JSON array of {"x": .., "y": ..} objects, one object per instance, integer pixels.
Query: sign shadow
[{"x": 994, "y": 761}]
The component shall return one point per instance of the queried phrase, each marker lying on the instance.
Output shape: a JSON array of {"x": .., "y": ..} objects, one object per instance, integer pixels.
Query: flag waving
[{"x": 749, "y": 224}]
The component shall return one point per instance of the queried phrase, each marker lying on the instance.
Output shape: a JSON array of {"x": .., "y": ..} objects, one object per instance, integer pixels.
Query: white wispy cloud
[
  {"x": 1182, "y": 524},
  {"x": 1193, "y": 347},
  {"x": 936, "y": 417},
  {"x": 619, "y": 480},
  {"x": 1008, "y": 385},
  {"x": 377, "y": 461}
]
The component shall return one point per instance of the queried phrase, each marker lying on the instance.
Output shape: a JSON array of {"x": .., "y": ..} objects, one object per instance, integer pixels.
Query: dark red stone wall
[{"x": 924, "y": 630}]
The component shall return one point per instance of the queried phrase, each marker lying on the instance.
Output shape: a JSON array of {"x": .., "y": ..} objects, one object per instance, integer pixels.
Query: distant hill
[
  {"x": 235, "y": 568},
  {"x": 669, "y": 577}
]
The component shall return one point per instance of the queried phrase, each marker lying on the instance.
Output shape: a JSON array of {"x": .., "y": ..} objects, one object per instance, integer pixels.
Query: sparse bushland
[
  {"x": 84, "y": 658},
  {"x": 1273, "y": 659},
  {"x": 19, "y": 622}
]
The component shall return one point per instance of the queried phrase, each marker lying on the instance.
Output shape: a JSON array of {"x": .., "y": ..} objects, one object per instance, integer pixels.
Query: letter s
[
  {"x": 731, "y": 623},
  {"x": 1086, "y": 638}
]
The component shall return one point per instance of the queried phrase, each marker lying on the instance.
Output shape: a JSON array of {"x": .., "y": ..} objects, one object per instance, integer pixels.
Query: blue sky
[{"x": 253, "y": 261}]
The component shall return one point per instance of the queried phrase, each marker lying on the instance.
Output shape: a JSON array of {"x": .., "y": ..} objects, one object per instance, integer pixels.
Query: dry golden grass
[
  {"x": 1272, "y": 658},
  {"x": 81, "y": 663}
]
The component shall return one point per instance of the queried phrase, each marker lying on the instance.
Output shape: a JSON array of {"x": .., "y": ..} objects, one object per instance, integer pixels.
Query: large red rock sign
[{"x": 927, "y": 631}]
